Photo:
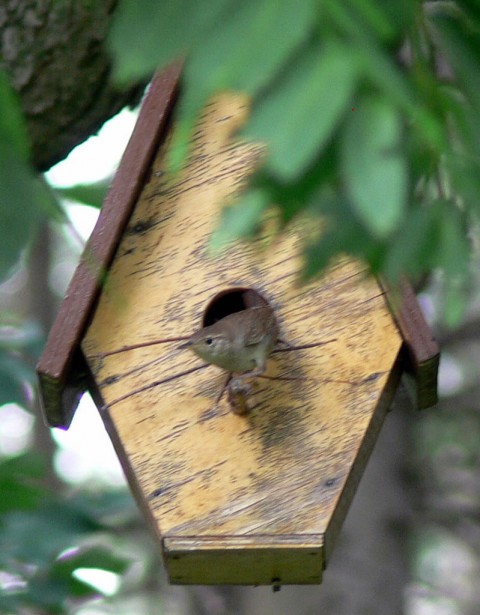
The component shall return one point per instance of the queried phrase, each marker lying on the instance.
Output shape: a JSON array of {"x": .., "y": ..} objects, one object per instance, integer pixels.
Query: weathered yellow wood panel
[{"x": 282, "y": 476}]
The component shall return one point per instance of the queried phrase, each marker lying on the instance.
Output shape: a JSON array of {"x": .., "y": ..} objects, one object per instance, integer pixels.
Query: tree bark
[{"x": 55, "y": 55}]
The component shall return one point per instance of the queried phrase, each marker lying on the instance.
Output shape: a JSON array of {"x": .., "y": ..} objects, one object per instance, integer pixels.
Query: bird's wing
[{"x": 263, "y": 320}]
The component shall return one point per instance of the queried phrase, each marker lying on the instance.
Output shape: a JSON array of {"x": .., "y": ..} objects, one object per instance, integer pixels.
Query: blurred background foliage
[{"x": 370, "y": 113}]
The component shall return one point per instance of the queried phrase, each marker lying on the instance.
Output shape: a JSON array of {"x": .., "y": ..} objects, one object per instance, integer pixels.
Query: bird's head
[{"x": 209, "y": 345}]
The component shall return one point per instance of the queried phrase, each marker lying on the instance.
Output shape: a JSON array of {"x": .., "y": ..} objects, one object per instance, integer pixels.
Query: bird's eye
[{"x": 209, "y": 341}]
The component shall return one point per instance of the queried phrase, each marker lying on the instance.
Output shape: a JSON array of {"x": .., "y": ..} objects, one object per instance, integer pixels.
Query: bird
[{"x": 239, "y": 343}]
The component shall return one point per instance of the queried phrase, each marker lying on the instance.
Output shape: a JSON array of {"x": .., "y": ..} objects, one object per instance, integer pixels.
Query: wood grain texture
[
  {"x": 61, "y": 371},
  {"x": 237, "y": 499}
]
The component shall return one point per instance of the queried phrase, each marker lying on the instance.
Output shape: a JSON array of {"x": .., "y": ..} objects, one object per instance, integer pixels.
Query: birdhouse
[{"x": 255, "y": 496}]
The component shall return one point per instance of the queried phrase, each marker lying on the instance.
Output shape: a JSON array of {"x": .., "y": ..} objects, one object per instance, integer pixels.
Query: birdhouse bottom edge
[{"x": 242, "y": 560}]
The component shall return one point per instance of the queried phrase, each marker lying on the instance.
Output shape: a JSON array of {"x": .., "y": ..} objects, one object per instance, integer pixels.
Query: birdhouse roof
[{"x": 62, "y": 373}]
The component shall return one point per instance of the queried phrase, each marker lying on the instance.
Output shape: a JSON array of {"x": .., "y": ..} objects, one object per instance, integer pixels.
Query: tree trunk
[{"x": 54, "y": 54}]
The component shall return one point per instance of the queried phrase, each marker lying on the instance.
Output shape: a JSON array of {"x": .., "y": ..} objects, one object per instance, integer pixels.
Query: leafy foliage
[
  {"x": 22, "y": 200},
  {"x": 363, "y": 155},
  {"x": 86, "y": 194},
  {"x": 44, "y": 539},
  {"x": 375, "y": 103},
  {"x": 20, "y": 342}
]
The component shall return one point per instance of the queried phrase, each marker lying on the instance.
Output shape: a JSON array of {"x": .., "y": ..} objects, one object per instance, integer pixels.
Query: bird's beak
[{"x": 185, "y": 345}]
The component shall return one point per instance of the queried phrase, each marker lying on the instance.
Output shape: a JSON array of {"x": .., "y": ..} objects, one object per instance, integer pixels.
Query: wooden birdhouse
[{"x": 253, "y": 498}]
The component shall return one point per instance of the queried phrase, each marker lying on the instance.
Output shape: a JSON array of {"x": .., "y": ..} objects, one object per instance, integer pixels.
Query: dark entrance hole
[{"x": 230, "y": 301}]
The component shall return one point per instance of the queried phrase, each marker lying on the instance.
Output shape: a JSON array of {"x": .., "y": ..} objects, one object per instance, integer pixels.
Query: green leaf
[
  {"x": 249, "y": 47},
  {"x": 148, "y": 36},
  {"x": 29, "y": 466},
  {"x": 473, "y": 7},
  {"x": 9, "y": 603},
  {"x": 56, "y": 583},
  {"x": 462, "y": 160},
  {"x": 50, "y": 594},
  {"x": 12, "y": 124},
  {"x": 182, "y": 136},
  {"x": 454, "y": 246},
  {"x": 376, "y": 16},
  {"x": 15, "y": 374},
  {"x": 461, "y": 44},
  {"x": 97, "y": 556},
  {"x": 296, "y": 196},
  {"x": 241, "y": 219},
  {"x": 21, "y": 197},
  {"x": 433, "y": 237},
  {"x": 465, "y": 176},
  {"x": 376, "y": 63},
  {"x": 18, "y": 483},
  {"x": 243, "y": 52},
  {"x": 454, "y": 252},
  {"x": 87, "y": 194},
  {"x": 374, "y": 166},
  {"x": 455, "y": 302},
  {"x": 412, "y": 250},
  {"x": 39, "y": 537},
  {"x": 19, "y": 208},
  {"x": 300, "y": 112},
  {"x": 17, "y": 496},
  {"x": 342, "y": 233}
]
